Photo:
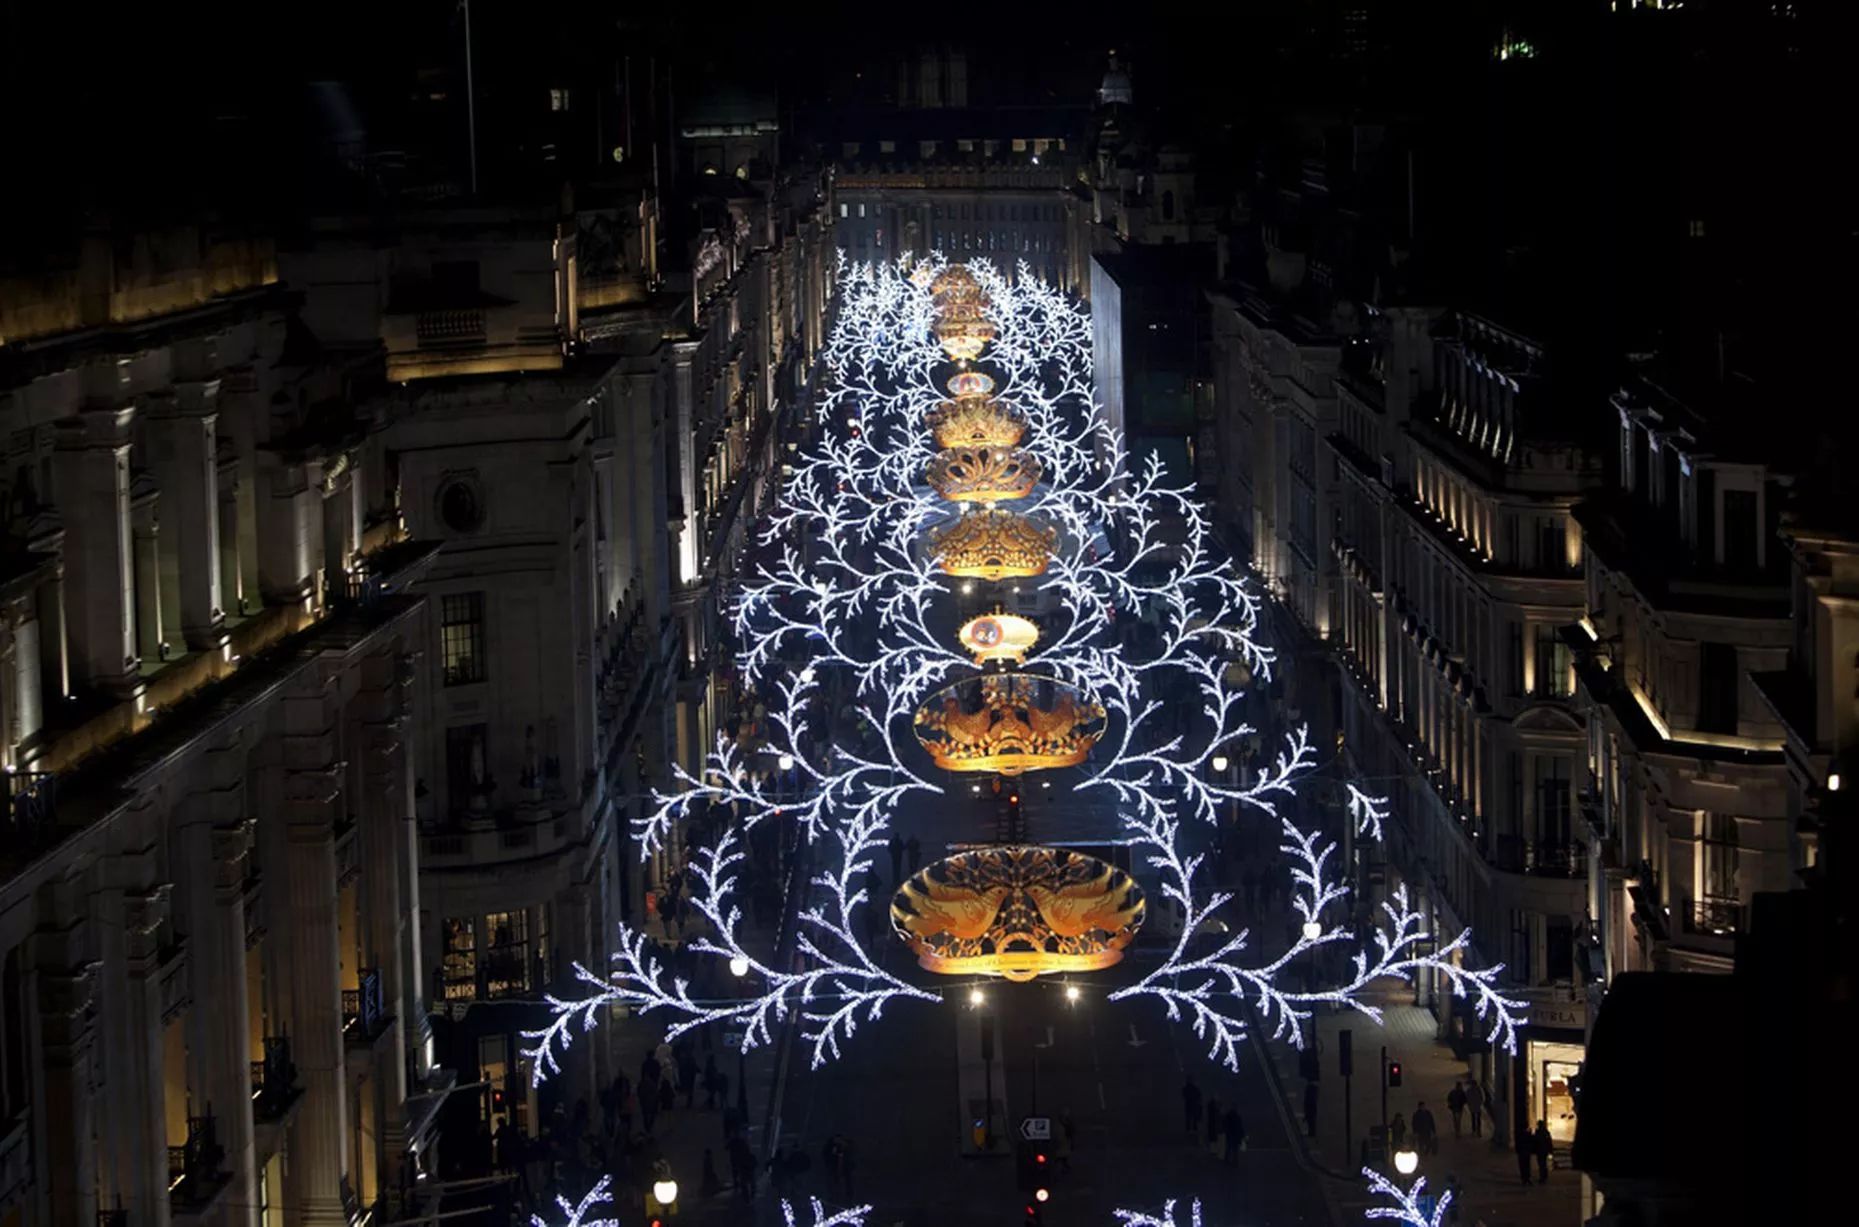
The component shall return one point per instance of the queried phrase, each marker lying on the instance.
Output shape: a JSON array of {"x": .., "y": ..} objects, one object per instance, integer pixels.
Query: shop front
[{"x": 1552, "y": 1052}]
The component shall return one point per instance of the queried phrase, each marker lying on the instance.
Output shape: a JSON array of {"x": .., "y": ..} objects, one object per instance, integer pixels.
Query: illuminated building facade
[{"x": 213, "y": 1007}]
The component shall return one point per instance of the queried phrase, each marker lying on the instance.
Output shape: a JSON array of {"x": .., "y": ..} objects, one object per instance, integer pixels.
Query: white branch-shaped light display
[
  {"x": 1138, "y": 1218},
  {"x": 853, "y": 1216},
  {"x": 1406, "y": 1208},
  {"x": 845, "y": 626},
  {"x": 577, "y": 1213}
]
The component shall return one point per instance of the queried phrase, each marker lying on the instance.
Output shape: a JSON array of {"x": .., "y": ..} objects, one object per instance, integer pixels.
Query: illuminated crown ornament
[
  {"x": 998, "y": 636},
  {"x": 922, "y": 276},
  {"x": 964, "y": 335},
  {"x": 983, "y": 474},
  {"x": 1018, "y": 912},
  {"x": 956, "y": 287},
  {"x": 976, "y": 421},
  {"x": 970, "y": 383},
  {"x": 1008, "y": 723},
  {"x": 994, "y": 545}
]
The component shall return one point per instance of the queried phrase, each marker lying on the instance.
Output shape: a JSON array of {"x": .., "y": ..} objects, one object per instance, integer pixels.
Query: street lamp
[
  {"x": 664, "y": 1188},
  {"x": 977, "y": 998},
  {"x": 1406, "y": 1161},
  {"x": 1072, "y": 993}
]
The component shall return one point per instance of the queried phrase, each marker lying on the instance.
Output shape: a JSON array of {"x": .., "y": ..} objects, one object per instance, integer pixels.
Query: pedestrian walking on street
[
  {"x": 896, "y": 848},
  {"x": 1525, "y": 1148},
  {"x": 914, "y": 852},
  {"x": 1455, "y": 1103},
  {"x": 1213, "y": 1125},
  {"x": 687, "y": 1072},
  {"x": 1475, "y": 1103},
  {"x": 742, "y": 1167},
  {"x": 1397, "y": 1131},
  {"x": 1235, "y": 1134},
  {"x": 711, "y": 1075},
  {"x": 1191, "y": 1106},
  {"x": 648, "y": 1104},
  {"x": 1310, "y": 1109},
  {"x": 1544, "y": 1146},
  {"x": 649, "y": 1071},
  {"x": 1426, "y": 1133}
]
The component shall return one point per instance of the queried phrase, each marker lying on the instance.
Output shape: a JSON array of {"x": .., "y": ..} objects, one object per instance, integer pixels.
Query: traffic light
[
  {"x": 1394, "y": 1074},
  {"x": 1035, "y": 1215}
]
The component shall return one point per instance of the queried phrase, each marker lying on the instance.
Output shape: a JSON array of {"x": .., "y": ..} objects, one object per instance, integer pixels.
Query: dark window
[
  {"x": 1552, "y": 804},
  {"x": 1550, "y": 548},
  {"x": 1516, "y": 658},
  {"x": 1168, "y": 206},
  {"x": 1718, "y": 679},
  {"x": 1739, "y": 530},
  {"x": 467, "y": 767},
  {"x": 460, "y": 507},
  {"x": 461, "y": 637},
  {"x": 506, "y": 957},
  {"x": 1559, "y": 949},
  {"x": 1552, "y": 663}
]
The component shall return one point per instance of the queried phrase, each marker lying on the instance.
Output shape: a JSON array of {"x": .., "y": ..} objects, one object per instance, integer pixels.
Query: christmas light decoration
[
  {"x": 1406, "y": 1208},
  {"x": 577, "y": 1213},
  {"x": 1018, "y": 912},
  {"x": 1136, "y": 1218},
  {"x": 848, "y": 625},
  {"x": 851, "y": 1217}
]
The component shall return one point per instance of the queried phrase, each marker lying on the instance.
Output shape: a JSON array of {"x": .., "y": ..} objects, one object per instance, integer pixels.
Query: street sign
[{"x": 1036, "y": 1128}]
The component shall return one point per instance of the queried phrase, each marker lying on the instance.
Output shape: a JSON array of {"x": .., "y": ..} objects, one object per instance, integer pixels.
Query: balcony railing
[
  {"x": 30, "y": 806},
  {"x": 274, "y": 1079},
  {"x": 444, "y": 328},
  {"x": 1714, "y": 916},
  {"x": 1544, "y": 858},
  {"x": 194, "y": 1165},
  {"x": 364, "y": 1011}
]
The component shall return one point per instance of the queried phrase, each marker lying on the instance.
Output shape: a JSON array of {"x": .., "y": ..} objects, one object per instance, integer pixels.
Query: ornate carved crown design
[
  {"x": 1008, "y": 723},
  {"x": 970, "y": 383},
  {"x": 1018, "y": 912},
  {"x": 994, "y": 545},
  {"x": 998, "y": 636},
  {"x": 955, "y": 286},
  {"x": 976, "y": 421},
  {"x": 983, "y": 474},
  {"x": 964, "y": 335}
]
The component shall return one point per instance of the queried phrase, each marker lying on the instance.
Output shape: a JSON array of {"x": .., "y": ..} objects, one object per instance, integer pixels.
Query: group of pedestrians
[{"x": 1225, "y": 1131}]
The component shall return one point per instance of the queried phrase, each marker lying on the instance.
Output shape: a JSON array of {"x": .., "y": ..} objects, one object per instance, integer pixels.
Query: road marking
[{"x": 1136, "y": 1041}]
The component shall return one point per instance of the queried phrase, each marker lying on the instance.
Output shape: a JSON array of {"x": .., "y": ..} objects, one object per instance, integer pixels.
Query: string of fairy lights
[{"x": 959, "y": 443}]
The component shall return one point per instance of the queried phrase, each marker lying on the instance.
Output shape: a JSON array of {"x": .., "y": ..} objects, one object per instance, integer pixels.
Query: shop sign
[{"x": 1571, "y": 1015}]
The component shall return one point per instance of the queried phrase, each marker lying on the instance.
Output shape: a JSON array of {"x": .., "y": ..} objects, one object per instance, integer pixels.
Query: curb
[{"x": 1300, "y": 1145}]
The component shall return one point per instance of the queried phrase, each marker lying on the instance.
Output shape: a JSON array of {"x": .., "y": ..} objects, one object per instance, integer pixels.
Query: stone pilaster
[
  {"x": 136, "y": 1091},
  {"x": 383, "y": 817},
  {"x": 219, "y": 1036},
  {"x": 93, "y": 491},
  {"x": 65, "y": 990},
  {"x": 315, "y": 1164},
  {"x": 185, "y": 446},
  {"x": 285, "y": 571},
  {"x": 145, "y": 524}
]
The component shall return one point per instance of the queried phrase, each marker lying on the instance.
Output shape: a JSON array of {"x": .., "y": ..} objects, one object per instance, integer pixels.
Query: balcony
[
  {"x": 274, "y": 1081},
  {"x": 1713, "y": 916},
  {"x": 30, "y": 805},
  {"x": 365, "y": 1017},
  {"x": 448, "y": 329},
  {"x": 521, "y": 835},
  {"x": 196, "y": 1176},
  {"x": 1542, "y": 858}
]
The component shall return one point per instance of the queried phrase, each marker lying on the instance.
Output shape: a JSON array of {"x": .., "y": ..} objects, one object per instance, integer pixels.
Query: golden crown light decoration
[
  {"x": 850, "y": 595},
  {"x": 982, "y": 474},
  {"x": 994, "y": 545},
  {"x": 998, "y": 636},
  {"x": 1009, "y": 724},
  {"x": 976, "y": 421},
  {"x": 1018, "y": 912}
]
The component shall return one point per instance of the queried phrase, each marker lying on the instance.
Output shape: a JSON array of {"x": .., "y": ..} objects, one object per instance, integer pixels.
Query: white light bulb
[
  {"x": 976, "y": 996},
  {"x": 738, "y": 966},
  {"x": 1072, "y": 993},
  {"x": 665, "y": 1191},
  {"x": 1220, "y": 762},
  {"x": 1833, "y": 781},
  {"x": 1406, "y": 1162},
  {"x": 785, "y": 762},
  {"x": 1312, "y": 930}
]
